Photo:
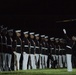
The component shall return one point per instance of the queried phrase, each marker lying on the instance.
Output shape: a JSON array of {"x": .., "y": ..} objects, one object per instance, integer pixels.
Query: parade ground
[{"x": 40, "y": 72}]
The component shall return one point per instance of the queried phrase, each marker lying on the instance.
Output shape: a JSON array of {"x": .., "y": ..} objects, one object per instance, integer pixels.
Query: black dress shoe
[
  {"x": 3, "y": 69},
  {"x": 9, "y": 69}
]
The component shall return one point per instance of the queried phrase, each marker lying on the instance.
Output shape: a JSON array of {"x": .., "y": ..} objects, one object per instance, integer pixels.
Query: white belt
[
  {"x": 18, "y": 45},
  {"x": 9, "y": 45},
  {"x": 52, "y": 48},
  {"x": 69, "y": 47},
  {"x": 46, "y": 48},
  {"x": 43, "y": 48},
  {"x": 32, "y": 46},
  {"x": 60, "y": 49},
  {"x": 56, "y": 49},
  {"x": 25, "y": 45},
  {"x": 63, "y": 49},
  {"x": 37, "y": 47}
]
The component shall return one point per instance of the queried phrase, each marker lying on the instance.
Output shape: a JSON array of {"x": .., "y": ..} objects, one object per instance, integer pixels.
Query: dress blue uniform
[
  {"x": 17, "y": 50},
  {"x": 32, "y": 50},
  {"x": 43, "y": 51},
  {"x": 46, "y": 50},
  {"x": 37, "y": 50},
  {"x": 26, "y": 51},
  {"x": 69, "y": 44}
]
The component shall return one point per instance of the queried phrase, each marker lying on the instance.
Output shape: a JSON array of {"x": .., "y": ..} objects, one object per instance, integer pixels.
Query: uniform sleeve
[
  {"x": 23, "y": 45},
  {"x": 0, "y": 39},
  {"x": 68, "y": 40},
  {"x": 14, "y": 45},
  {"x": 40, "y": 47}
]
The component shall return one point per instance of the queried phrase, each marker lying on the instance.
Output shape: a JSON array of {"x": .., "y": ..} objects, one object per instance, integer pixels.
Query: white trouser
[
  {"x": 25, "y": 61},
  {"x": 40, "y": 61},
  {"x": 1, "y": 61},
  {"x": 64, "y": 60},
  {"x": 57, "y": 60},
  {"x": 46, "y": 58},
  {"x": 53, "y": 57},
  {"x": 33, "y": 61},
  {"x": 60, "y": 61},
  {"x": 69, "y": 63},
  {"x": 7, "y": 58},
  {"x": 50, "y": 63},
  {"x": 37, "y": 58},
  {"x": 17, "y": 61},
  {"x": 29, "y": 63},
  {"x": 57, "y": 57},
  {"x": 43, "y": 59}
]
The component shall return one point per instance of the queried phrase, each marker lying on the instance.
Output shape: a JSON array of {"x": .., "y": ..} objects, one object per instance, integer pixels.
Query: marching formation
[{"x": 32, "y": 51}]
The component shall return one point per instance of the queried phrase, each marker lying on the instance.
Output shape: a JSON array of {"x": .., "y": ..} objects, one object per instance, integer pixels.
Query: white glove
[
  {"x": 24, "y": 52},
  {"x": 14, "y": 52},
  {"x": 34, "y": 54},
  {"x": 40, "y": 54},
  {"x": 64, "y": 31}
]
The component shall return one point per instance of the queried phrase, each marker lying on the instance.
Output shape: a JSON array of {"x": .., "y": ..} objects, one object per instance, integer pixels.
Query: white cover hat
[
  {"x": 42, "y": 35},
  {"x": 46, "y": 36},
  {"x": 51, "y": 38},
  {"x": 36, "y": 34},
  {"x": 18, "y": 31},
  {"x": 56, "y": 38},
  {"x": 26, "y": 32},
  {"x": 32, "y": 33}
]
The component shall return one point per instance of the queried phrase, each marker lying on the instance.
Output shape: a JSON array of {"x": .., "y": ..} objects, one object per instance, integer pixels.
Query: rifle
[
  {"x": 29, "y": 58},
  {"x": 15, "y": 57},
  {"x": 36, "y": 63}
]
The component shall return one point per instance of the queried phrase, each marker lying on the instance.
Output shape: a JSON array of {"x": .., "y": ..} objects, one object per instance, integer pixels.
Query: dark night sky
[{"x": 38, "y": 16}]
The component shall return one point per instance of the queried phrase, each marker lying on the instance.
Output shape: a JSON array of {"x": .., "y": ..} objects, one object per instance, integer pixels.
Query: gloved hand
[
  {"x": 34, "y": 54},
  {"x": 14, "y": 52},
  {"x": 40, "y": 54},
  {"x": 24, "y": 52},
  {"x": 64, "y": 31}
]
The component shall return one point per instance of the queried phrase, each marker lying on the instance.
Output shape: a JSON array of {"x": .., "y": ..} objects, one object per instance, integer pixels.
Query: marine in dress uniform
[
  {"x": 26, "y": 51},
  {"x": 17, "y": 50},
  {"x": 62, "y": 52},
  {"x": 69, "y": 46},
  {"x": 9, "y": 48},
  {"x": 46, "y": 50},
  {"x": 52, "y": 53},
  {"x": 4, "y": 44},
  {"x": 32, "y": 50},
  {"x": 41, "y": 53},
  {"x": 42, "y": 50},
  {"x": 57, "y": 51},
  {"x": 37, "y": 50},
  {"x": 74, "y": 56},
  {"x": 1, "y": 27}
]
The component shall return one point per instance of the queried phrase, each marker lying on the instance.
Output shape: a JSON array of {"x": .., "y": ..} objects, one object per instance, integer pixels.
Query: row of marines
[{"x": 34, "y": 50}]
